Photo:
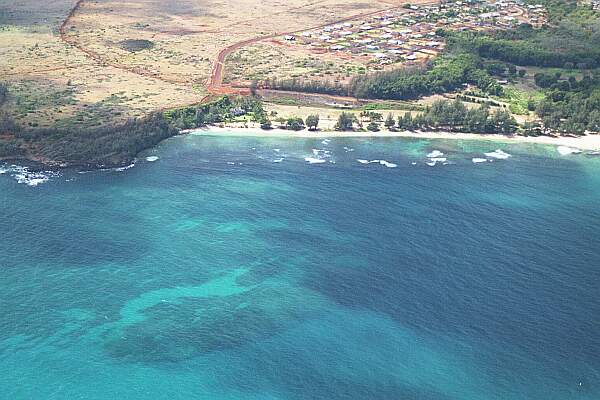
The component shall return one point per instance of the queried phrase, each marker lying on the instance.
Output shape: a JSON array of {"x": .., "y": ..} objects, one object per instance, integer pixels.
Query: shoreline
[{"x": 588, "y": 142}]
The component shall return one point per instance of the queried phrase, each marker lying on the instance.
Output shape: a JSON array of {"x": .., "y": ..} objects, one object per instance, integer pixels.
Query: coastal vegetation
[
  {"x": 345, "y": 122},
  {"x": 454, "y": 116},
  {"x": 312, "y": 121},
  {"x": 221, "y": 110},
  {"x": 107, "y": 145}
]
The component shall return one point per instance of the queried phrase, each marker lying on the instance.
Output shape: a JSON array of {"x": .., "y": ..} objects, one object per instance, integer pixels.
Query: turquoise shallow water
[{"x": 232, "y": 268}]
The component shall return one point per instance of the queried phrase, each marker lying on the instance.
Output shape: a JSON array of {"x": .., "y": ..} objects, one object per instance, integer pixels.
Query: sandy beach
[{"x": 588, "y": 143}]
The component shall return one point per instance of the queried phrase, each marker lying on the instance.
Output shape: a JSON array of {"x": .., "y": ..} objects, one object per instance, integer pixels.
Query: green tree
[
  {"x": 373, "y": 127},
  {"x": 295, "y": 123},
  {"x": 266, "y": 124},
  {"x": 406, "y": 122},
  {"x": 375, "y": 116},
  {"x": 312, "y": 121},
  {"x": 390, "y": 123},
  {"x": 345, "y": 122}
]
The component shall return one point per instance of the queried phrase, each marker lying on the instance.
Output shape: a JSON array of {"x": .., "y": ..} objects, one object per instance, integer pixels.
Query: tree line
[
  {"x": 306, "y": 86},
  {"x": 570, "y": 105},
  {"x": 116, "y": 144},
  {"x": 455, "y": 117},
  {"x": 445, "y": 74}
]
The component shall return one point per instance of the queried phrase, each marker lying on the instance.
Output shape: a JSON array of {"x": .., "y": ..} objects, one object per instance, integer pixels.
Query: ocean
[{"x": 273, "y": 268}]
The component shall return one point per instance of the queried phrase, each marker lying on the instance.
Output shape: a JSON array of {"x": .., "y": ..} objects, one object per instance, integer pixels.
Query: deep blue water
[{"x": 217, "y": 273}]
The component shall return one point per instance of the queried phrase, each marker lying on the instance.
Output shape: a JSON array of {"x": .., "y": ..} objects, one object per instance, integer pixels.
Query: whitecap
[
  {"x": 413, "y": 163},
  {"x": 478, "y": 160},
  {"x": 276, "y": 150},
  {"x": 278, "y": 160},
  {"x": 388, "y": 164},
  {"x": 435, "y": 154},
  {"x": 152, "y": 158},
  {"x": 431, "y": 163},
  {"x": 438, "y": 159},
  {"x": 321, "y": 153},
  {"x": 121, "y": 169},
  {"x": 326, "y": 141},
  {"x": 32, "y": 180},
  {"x": 363, "y": 161},
  {"x": 312, "y": 160},
  {"x": 499, "y": 154},
  {"x": 565, "y": 151},
  {"x": 23, "y": 176},
  {"x": 230, "y": 163},
  {"x": 348, "y": 149}
]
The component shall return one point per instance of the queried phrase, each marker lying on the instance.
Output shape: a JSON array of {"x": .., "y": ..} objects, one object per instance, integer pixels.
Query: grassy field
[{"x": 275, "y": 60}]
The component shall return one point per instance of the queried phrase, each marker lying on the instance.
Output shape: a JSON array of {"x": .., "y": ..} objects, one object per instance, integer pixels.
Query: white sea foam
[
  {"x": 23, "y": 176},
  {"x": 381, "y": 162},
  {"x": 348, "y": 149},
  {"x": 312, "y": 160},
  {"x": 431, "y": 163},
  {"x": 32, "y": 179},
  {"x": 499, "y": 154},
  {"x": 230, "y": 163},
  {"x": 321, "y": 152},
  {"x": 438, "y": 159},
  {"x": 278, "y": 160},
  {"x": 478, "y": 160},
  {"x": 388, "y": 164},
  {"x": 413, "y": 163},
  {"x": 565, "y": 151},
  {"x": 152, "y": 158},
  {"x": 326, "y": 141},
  {"x": 276, "y": 150},
  {"x": 121, "y": 169},
  {"x": 435, "y": 154}
]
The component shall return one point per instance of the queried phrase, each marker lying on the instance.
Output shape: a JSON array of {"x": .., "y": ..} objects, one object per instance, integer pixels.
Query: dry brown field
[{"x": 93, "y": 61}]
